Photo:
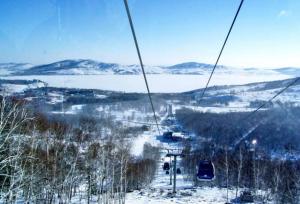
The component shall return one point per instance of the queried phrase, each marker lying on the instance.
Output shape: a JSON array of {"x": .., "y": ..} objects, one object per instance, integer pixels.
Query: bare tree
[
  {"x": 239, "y": 171},
  {"x": 12, "y": 117}
]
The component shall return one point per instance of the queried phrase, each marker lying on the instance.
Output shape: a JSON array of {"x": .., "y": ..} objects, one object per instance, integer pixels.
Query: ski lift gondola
[
  {"x": 206, "y": 171},
  {"x": 168, "y": 135},
  {"x": 166, "y": 166}
]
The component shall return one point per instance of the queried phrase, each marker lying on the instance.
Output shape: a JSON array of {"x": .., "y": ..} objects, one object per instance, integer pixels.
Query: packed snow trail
[
  {"x": 204, "y": 195},
  {"x": 162, "y": 180},
  {"x": 160, "y": 190}
]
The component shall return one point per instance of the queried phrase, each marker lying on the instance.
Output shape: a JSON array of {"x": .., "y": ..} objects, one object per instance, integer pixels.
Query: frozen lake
[{"x": 163, "y": 83}]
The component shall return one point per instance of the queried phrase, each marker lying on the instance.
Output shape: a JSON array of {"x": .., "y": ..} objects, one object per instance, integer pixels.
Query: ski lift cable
[
  {"x": 161, "y": 125},
  {"x": 264, "y": 104},
  {"x": 142, "y": 123},
  {"x": 221, "y": 51},
  {"x": 272, "y": 98},
  {"x": 141, "y": 62}
]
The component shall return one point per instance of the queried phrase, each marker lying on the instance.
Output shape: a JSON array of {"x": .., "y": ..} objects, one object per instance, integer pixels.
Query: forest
[
  {"x": 270, "y": 165},
  {"x": 45, "y": 160}
]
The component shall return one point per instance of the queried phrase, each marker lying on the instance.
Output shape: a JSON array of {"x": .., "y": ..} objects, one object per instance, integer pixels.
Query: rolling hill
[{"x": 92, "y": 67}]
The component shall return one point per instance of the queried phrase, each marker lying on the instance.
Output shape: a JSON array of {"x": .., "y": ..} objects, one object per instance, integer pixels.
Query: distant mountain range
[{"x": 92, "y": 67}]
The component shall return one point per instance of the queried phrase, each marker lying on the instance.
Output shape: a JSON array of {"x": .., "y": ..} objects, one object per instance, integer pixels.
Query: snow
[
  {"x": 127, "y": 116},
  {"x": 77, "y": 71},
  {"x": 74, "y": 109},
  {"x": 138, "y": 143},
  {"x": 17, "y": 88},
  {"x": 8, "y": 88},
  {"x": 11, "y": 68},
  {"x": 160, "y": 191},
  {"x": 163, "y": 83},
  {"x": 92, "y": 67},
  {"x": 77, "y": 107},
  {"x": 55, "y": 98},
  {"x": 200, "y": 195},
  {"x": 100, "y": 96},
  {"x": 14, "y": 88},
  {"x": 216, "y": 109}
]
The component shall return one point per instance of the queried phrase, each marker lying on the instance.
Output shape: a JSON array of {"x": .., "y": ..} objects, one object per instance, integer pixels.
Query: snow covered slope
[
  {"x": 247, "y": 97},
  {"x": 92, "y": 67},
  {"x": 194, "y": 68},
  {"x": 85, "y": 67},
  {"x": 9, "y": 87},
  {"x": 11, "y": 68},
  {"x": 289, "y": 71}
]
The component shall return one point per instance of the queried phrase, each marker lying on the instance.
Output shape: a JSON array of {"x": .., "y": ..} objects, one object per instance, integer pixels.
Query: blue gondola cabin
[{"x": 206, "y": 171}]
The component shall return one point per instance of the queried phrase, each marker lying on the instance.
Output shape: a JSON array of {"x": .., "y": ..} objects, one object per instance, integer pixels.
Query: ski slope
[{"x": 160, "y": 190}]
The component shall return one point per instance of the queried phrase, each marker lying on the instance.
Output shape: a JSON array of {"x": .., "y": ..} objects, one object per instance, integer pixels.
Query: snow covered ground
[
  {"x": 200, "y": 195},
  {"x": 160, "y": 190},
  {"x": 17, "y": 88},
  {"x": 138, "y": 143},
  {"x": 74, "y": 109},
  {"x": 163, "y": 83},
  {"x": 215, "y": 109}
]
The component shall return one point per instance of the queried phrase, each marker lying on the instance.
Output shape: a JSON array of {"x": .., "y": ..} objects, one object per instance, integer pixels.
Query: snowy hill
[
  {"x": 92, "y": 67},
  {"x": 8, "y": 87},
  {"x": 293, "y": 71},
  {"x": 191, "y": 65},
  {"x": 84, "y": 67},
  {"x": 246, "y": 97},
  {"x": 193, "y": 68},
  {"x": 10, "y": 68},
  {"x": 70, "y": 67}
]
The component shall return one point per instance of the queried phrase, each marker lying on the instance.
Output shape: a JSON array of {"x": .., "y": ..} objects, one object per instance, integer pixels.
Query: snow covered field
[{"x": 163, "y": 83}]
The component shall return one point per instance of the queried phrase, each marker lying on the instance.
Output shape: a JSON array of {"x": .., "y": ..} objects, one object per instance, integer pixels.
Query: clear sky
[{"x": 266, "y": 34}]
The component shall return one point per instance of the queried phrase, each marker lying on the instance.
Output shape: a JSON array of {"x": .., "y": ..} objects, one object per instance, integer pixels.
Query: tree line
[
  {"x": 43, "y": 160},
  {"x": 244, "y": 165}
]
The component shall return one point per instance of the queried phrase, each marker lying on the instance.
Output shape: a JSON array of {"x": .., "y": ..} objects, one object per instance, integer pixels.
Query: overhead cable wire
[
  {"x": 221, "y": 51},
  {"x": 142, "y": 123},
  {"x": 292, "y": 83},
  {"x": 141, "y": 62},
  {"x": 272, "y": 98}
]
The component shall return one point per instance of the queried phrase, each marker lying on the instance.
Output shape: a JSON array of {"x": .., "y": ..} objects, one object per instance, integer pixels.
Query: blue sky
[{"x": 266, "y": 34}]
